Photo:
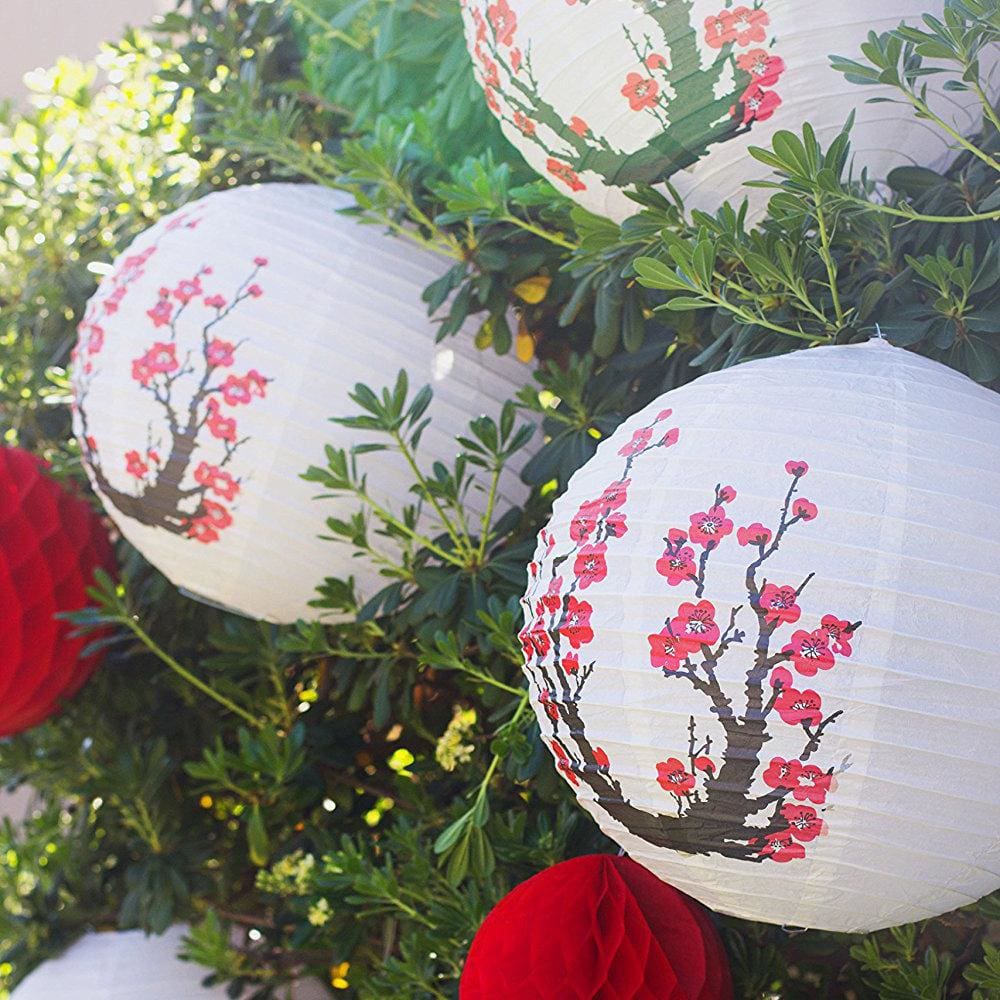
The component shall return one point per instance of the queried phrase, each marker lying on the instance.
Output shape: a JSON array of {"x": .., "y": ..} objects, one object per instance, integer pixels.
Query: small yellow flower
[
  {"x": 533, "y": 290},
  {"x": 451, "y": 750},
  {"x": 320, "y": 913},
  {"x": 338, "y": 976}
]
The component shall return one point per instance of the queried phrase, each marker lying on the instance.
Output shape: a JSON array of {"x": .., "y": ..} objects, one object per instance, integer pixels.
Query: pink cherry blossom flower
[
  {"x": 753, "y": 534},
  {"x": 601, "y": 759},
  {"x": 216, "y": 514},
  {"x": 782, "y": 847},
  {"x": 758, "y": 104},
  {"x": 563, "y": 763},
  {"x": 591, "y": 565},
  {"x": 551, "y": 710},
  {"x": 798, "y": 707},
  {"x": 813, "y": 785},
  {"x": 218, "y": 425},
  {"x": 220, "y": 482},
  {"x": 667, "y": 651},
  {"x": 664, "y": 414},
  {"x": 780, "y": 604},
  {"x": 578, "y": 126},
  {"x": 201, "y": 531},
  {"x": 720, "y": 29},
  {"x": 515, "y": 60},
  {"x": 504, "y": 21},
  {"x": 134, "y": 465},
  {"x": 749, "y": 25},
  {"x": 160, "y": 313},
  {"x": 655, "y": 61},
  {"x": 235, "y": 391},
  {"x": 552, "y": 601},
  {"x": 220, "y": 353},
  {"x": 804, "y": 509},
  {"x": 187, "y": 289},
  {"x": 565, "y": 173},
  {"x": 809, "y": 652},
  {"x": 575, "y": 625},
  {"x": 583, "y": 523},
  {"x": 255, "y": 291},
  {"x": 727, "y": 494},
  {"x": 260, "y": 261},
  {"x": 840, "y": 634},
  {"x": 803, "y": 821},
  {"x": 571, "y": 663},
  {"x": 215, "y": 301},
  {"x": 781, "y": 773},
  {"x": 642, "y": 91},
  {"x": 672, "y": 777},
  {"x": 764, "y": 68},
  {"x": 640, "y": 439},
  {"x": 705, "y": 764},
  {"x": 695, "y": 623},
  {"x": 709, "y": 527},
  {"x": 615, "y": 525},
  {"x": 670, "y": 438},
  {"x": 677, "y": 566}
]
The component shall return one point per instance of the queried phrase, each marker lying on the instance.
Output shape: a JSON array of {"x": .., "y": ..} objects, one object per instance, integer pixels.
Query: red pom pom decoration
[
  {"x": 50, "y": 544},
  {"x": 596, "y": 928}
]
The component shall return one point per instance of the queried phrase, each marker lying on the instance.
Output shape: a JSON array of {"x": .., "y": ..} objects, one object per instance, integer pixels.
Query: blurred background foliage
[{"x": 381, "y": 784}]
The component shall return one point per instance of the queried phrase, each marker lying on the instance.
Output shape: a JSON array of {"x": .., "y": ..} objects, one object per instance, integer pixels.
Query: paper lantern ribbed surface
[
  {"x": 599, "y": 95},
  {"x": 122, "y": 965},
  {"x": 596, "y": 926},
  {"x": 762, "y": 634},
  {"x": 209, "y": 363},
  {"x": 51, "y": 542}
]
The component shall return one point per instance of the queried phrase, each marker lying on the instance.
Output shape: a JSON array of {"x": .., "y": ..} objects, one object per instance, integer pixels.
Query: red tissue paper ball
[
  {"x": 50, "y": 544},
  {"x": 596, "y": 928}
]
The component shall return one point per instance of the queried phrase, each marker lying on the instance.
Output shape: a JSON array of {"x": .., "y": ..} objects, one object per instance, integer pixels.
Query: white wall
[{"x": 35, "y": 33}]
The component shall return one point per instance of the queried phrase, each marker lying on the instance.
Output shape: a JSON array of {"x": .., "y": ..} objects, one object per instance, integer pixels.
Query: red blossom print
[
  {"x": 758, "y": 105},
  {"x": 160, "y": 359},
  {"x": 202, "y": 531},
  {"x": 614, "y": 495},
  {"x": 753, "y": 534},
  {"x": 672, "y": 777},
  {"x": 565, "y": 173},
  {"x": 220, "y": 353},
  {"x": 480, "y": 23},
  {"x": 670, "y": 438},
  {"x": 545, "y": 699},
  {"x": 160, "y": 313},
  {"x": 809, "y": 652},
  {"x": 663, "y": 415},
  {"x": 782, "y": 847},
  {"x": 552, "y": 600},
  {"x": 524, "y": 123},
  {"x": 764, "y": 68},
  {"x": 780, "y": 604},
  {"x": 804, "y": 509},
  {"x": 641, "y": 91},
  {"x": 95, "y": 342},
  {"x": 839, "y": 632},
  {"x": 727, "y": 494},
  {"x": 563, "y": 763},
  {"x": 134, "y": 465},
  {"x": 798, "y": 707},
  {"x": 256, "y": 383},
  {"x": 695, "y": 623},
  {"x": 220, "y": 482},
  {"x": 260, "y": 261},
  {"x": 709, "y": 527},
  {"x": 538, "y": 638},
  {"x": 782, "y": 773},
  {"x": 749, "y": 25},
  {"x": 655, "y": 61},
  {"x": 578, "y": 125},
  {"x": 675, "y": 536},
  {"x": 616, "y": 526},
  {"x": 803, "y": 822},
  {"x": 236, "y": 391},
  {"x": 216, "y": 514},
  {"x": 218, "y": 425},
  {"x": 813, "y": 785},
  {"x": 640, "y": 439},
  {"x": 187, "y": 290},
  {"x": 720, "y": 29},
  {"x": 515, "y": 59},
  {"x": 667, "y": 651},
  {"x": 215, "y": 301},
  {"x": 704, "y": 764},
  {"x": 575, "y": 624},
  {"x": 571, "y": 663},
  {"x": 583, "y": 523},
  {"x": 591, "y": 565},
  {"x": 677, "y": 566},
  {"x": 601, "y": 758},
  {"x": 504, "y": 21},
  {"x": 255, "y": 291},
  {"x": 797, "y": 469}
]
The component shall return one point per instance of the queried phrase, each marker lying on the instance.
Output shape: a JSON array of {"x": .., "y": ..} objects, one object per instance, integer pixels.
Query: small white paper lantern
[
  {"x": 210, "y": 362},
  {"x": 123, "y": 965},
  {"x": 602, "y": 94},
  {"x": 762, "y": 630}
]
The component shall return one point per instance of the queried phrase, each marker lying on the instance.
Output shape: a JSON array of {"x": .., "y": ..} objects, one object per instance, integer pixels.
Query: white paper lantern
[
  {"x": 210, "y": 362},
  {"x": 602, "y": 94},
  {"x": 762, "y": 634},
  {"x": 125, "y": 965}
]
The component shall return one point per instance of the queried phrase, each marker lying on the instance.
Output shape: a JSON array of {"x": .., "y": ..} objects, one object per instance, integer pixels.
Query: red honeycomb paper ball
[
  {"x": 51, "y": 542},
  {"x": 596, "y": 928}
]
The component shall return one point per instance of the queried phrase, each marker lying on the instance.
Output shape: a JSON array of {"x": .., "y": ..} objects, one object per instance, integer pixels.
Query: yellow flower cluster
[
  {"x": 451, "y": 749},
  {"x": 289, "y": 876}
]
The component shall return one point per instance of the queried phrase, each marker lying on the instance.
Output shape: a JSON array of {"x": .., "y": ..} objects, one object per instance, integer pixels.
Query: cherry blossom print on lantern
[
  {"x": 600, "y": 95},
  {"x": 210, "y": 362},
  {"x": 785, "y": 650}
]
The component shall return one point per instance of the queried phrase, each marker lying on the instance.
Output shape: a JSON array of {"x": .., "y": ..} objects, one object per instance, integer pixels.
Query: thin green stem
[
  {"x": 491, "y": 500},
  {"x": 140, "y": 633},
  {"x": 924, "y": 109},
  {"x": 556, "y": 238},
  {"x": 831, "y": 266}
]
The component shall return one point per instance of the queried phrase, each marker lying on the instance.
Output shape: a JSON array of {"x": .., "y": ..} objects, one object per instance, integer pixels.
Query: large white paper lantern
[
  {"x": 599, "y": 95},
  {"x": 210, "y": 362},
  {"x": 762, "y": 631},
  {"x": 124, "y": 965}
]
